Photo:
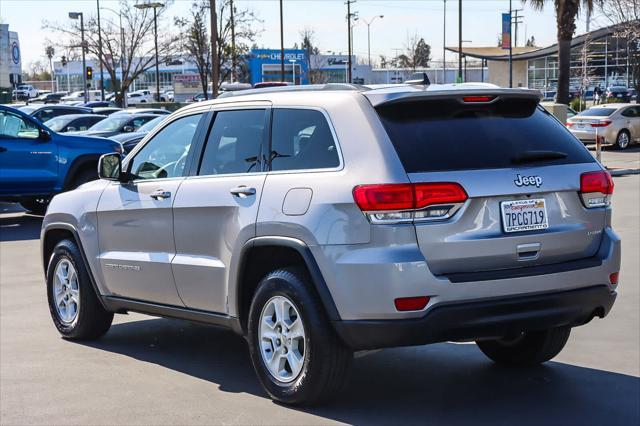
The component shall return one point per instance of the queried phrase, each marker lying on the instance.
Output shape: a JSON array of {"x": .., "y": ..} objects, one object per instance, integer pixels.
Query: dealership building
[
  {"x": 10, "y": 57},
  {"x": 599, "y": 58}
]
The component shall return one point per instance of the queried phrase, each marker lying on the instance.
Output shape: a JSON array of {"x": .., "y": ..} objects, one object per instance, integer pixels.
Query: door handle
[
  {"x": 160, "y": 194},
  {"x": 242, "y": 191},
  {"x": 3, "y": 149}
]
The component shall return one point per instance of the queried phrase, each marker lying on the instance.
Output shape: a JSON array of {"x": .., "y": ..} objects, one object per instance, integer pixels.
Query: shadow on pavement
[
  {"x": 17, "y": 227},
  {"x": 442, "y": 384}
]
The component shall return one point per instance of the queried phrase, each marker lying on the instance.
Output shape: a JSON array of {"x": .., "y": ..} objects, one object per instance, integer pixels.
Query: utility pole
[
  {"x": 369, "y": 22},
  {"x": 349, "y": 79},
  {"x": 233, "y": 44},
  {"x": 100, "y": 53},
  {"x": 444, "y": 43},
  {"x": 281, "y": 44},
  {"x": 517, "y": 19},
  {"x": 214, "y": 49}
]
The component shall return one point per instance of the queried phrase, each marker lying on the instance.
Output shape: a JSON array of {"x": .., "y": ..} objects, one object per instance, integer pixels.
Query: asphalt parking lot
[{"x": 158, "y": 371}]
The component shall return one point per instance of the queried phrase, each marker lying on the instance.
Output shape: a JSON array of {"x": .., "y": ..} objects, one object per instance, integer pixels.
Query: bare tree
[
  {"x": 244, "y": 29},
  {"x": 130, "y": 47},
  {"x": 625, "y": 15},
  {"x": 195, "y": 41}
]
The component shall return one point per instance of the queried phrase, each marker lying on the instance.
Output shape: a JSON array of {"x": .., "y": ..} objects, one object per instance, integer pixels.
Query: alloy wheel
[
  {"x": 66, "y": 291},
  {"x": 282, "y": 339}
]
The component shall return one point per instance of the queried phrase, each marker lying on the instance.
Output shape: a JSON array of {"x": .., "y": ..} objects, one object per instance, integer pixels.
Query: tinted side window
[
  {"x": 301, "y": 139},
  {"x": 165, "y": 155},
  {"x": 629, "y": 112},
  {"x": 233, "y": 145}
]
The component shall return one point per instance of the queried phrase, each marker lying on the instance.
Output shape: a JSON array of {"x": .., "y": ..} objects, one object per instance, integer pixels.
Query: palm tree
[
  {"x": 49, "y": 51},
  {"x": 566, "y": 14}
]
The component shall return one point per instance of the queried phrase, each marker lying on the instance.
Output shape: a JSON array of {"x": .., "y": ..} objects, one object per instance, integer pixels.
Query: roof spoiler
[
  {"x": 424, "y": 81},
  {"x": 379, "y": 99}
]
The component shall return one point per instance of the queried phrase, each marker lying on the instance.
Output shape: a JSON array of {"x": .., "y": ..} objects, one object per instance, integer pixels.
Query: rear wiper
[{"x": 533, "y": 156}]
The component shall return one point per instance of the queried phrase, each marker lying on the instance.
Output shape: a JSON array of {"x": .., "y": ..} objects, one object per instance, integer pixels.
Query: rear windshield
[
  {"x": 439, "y": 135},
  {"x": 597, "y": 112}
]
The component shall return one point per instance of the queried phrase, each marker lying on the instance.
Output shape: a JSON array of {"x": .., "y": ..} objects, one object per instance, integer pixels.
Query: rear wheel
[
  {"x": 530, "y": 348},
  {"x": 37, "y": 206},
  {"x": 623, "y": 139},
  {"x": 295, "y": 352},
  {"x": 75, "y": 309}
]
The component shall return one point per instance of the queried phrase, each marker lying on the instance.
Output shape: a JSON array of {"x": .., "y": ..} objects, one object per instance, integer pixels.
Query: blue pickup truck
[{"x": 36, "y": 163}]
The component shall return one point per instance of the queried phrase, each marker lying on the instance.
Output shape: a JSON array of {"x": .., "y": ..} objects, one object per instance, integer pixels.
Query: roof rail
[{"x": 304, "y": 88}]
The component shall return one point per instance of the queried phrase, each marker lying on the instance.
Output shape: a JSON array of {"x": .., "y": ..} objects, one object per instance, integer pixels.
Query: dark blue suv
[{"x": 37, "y": 163}]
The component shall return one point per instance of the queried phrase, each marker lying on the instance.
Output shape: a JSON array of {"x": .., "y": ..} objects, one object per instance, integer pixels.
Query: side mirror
[
  {"x": 127, "y": 129},
  {"x": 44, "y": 135},
  {"x": 110, "y": 167}
]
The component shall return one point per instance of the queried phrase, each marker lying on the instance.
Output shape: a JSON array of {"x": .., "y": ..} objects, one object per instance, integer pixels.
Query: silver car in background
[{"x": 617, "y": 124}]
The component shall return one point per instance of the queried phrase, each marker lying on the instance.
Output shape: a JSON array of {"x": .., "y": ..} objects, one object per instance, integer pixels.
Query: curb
[{"x": 624, "y": 172}]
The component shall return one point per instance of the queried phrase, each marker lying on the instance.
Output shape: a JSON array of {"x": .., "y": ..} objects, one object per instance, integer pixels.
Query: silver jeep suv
[{"x": 321, "y": 220}]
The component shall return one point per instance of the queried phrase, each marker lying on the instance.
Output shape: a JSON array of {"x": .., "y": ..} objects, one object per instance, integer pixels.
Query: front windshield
[
  {"x": 110, "y": 124},
  {"x": 150, "y": 125},
  {"x": 597, "y": 112},
  {"x": 56, "y": 124}
]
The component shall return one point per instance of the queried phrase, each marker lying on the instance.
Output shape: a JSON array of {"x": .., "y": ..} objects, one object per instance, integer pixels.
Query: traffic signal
[{"x": 89, "y": 73}]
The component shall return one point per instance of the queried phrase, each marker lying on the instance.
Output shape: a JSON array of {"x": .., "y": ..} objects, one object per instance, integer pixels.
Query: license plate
[{"x": 524, "y": 215}]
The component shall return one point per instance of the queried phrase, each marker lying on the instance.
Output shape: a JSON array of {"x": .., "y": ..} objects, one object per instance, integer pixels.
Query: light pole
[
  {"x": 444, "y": 43},
  {"x": 122, "y": 63},
  {"x": 100, "y": 53},
  {"x": 281, "y": 44},
  {"x": 76, "y": 15},
  {"x": 465, "y": 60},
  {"x": 369, "y": 22},
  {"x": 349, "y": 15},
  {"x": 459, "y": 79},
  {"x": 154, "y": 6},
  {"x": 293, "y": 70}
]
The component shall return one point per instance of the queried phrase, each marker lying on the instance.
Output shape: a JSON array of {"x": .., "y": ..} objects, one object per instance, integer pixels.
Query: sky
[{"x": 481, "y": 22}]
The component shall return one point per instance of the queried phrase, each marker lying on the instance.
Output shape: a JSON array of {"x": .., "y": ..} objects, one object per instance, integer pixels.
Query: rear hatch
[{"x": 521, "y": 170}]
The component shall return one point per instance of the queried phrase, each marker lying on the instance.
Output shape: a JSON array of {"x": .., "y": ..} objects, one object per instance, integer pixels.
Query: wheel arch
[
  {"x": 80, "y": 163},
  {"x": 261, "y": 255},
  {"x": 51, "y": 235}
]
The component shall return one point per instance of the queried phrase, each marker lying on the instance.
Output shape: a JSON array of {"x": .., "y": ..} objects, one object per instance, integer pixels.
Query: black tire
[
  {"x": 530, "y": 348},
  {"x": 37, "y": 206},
  {"x": 619, "y": 144},
  {"x": 92, "y": 320},
  {"x": 327, "y": 360},
  {"x": 83, "y": 176}
]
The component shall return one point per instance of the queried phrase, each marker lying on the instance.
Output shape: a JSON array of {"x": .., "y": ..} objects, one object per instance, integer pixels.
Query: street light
[
  {"x": 76, "y": 15},
  {"x": 369, "y": 22},
  {"x": 154, "y": 6},
  {"x": 100, "y": 53},
  {"x": 293, "y": 70}
]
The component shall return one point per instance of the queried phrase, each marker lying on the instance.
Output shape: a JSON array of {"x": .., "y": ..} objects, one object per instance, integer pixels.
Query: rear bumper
[{"x": 481, "y": 319}]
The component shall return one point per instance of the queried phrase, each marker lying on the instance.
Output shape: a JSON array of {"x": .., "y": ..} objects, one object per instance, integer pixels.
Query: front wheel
[
  {"x": 294, "y": 350},
  {"x": 529, "y": 348}
]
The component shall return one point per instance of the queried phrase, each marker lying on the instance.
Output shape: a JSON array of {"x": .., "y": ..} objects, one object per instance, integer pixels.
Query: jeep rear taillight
[
  {"x": 596, "y": 189},
  {"x": 408, "y": 202}
]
